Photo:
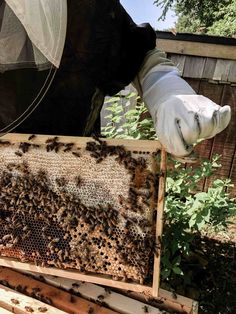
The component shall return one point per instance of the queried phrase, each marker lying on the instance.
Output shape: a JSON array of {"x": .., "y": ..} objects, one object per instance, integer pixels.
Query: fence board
[
  {"x": 194, "y": 67},
  {"x": 222, "y": 69},
  {"x": 194, "y": 83},
  {"x": 232, "y": 176},
  {"x": 178, "y": 60},
  {"x": 209, "y": 68},
  {"x": 224, "y": 143},
  {"x": 232, "y": 73},
  {"x": 214, "y": 92}
]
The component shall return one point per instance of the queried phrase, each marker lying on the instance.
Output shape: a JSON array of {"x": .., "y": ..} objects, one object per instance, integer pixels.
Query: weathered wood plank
[
  {"x": 204, "y": 150},
  {"x": 212, "y": 91},
  {"x": 232, "y": 73},
  {"x": 114, "y": 300},
  {"x": 224, "y": 143},
  {"x": 60, "y": 299},
  {"x": 197, "y": 49},
  {"x": 18, "y": 303},
  {"x": 87, "y": 290},
  {"x": 232, "y": 176},
  {"x": 209, "y": 68},
  {"x": 178, "y": 60},
  {"x": 194, "y": 83},
  {"x": 194, "y": 67},
  {"x": 222, "y": 70},
  {"x": 4, "y": 311}
]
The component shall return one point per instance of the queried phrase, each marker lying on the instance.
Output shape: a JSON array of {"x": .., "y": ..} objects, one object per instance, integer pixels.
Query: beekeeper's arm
[{"x": 181, "y": 117}]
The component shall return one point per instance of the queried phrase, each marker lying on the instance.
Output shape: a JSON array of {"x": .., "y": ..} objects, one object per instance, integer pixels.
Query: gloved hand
[{"x": 181, "y": 117}]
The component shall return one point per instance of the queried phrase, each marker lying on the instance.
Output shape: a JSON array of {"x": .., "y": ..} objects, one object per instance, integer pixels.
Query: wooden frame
[
  {"x": 151, "y": 146},
  {"x": 35, "y": 293},
  {"x": 127, "y": 302},
  {"x": 15, "y": 302},
  {"x": 197, "y": 49}
]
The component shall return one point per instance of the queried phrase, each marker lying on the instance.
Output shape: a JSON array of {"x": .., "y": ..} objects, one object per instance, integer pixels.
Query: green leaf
[
  {"x": 192, "y": 221},
  {"x": 200, "y": 222},
  {"x": 202, "y": 196},
  {"x": 177, "y": 270},
  {"x": 165, "y": 273},
  {"x": 206, "y": 213},
  {"x": 112, "y": 100}
]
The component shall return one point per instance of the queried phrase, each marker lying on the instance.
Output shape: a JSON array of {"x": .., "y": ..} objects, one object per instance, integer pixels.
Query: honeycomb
[{"x": 85, "y": 208}]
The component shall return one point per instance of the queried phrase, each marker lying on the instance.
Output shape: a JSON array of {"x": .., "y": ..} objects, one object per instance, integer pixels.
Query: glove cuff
[{"x": 160, "y": 84}]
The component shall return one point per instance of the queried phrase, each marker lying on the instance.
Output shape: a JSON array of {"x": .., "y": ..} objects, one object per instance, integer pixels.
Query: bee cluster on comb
[{"x": 86, "y": 207}]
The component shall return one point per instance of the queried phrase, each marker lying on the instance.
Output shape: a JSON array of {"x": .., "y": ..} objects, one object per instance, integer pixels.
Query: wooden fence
[{"x": 208, "y": 64}]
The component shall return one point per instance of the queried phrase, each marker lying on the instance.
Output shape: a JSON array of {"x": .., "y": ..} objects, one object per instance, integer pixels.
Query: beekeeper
[{"x": 86, "y": 50}]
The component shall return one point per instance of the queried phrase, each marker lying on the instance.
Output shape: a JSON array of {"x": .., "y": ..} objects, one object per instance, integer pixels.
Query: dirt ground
[{"x": 212, "y": 267}]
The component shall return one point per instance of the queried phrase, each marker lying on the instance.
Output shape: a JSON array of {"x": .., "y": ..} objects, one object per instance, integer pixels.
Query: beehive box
[{"x": 82, "y": 208}]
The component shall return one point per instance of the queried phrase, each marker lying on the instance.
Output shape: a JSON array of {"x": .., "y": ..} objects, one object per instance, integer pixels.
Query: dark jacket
[{"x": 103, "y": 52}]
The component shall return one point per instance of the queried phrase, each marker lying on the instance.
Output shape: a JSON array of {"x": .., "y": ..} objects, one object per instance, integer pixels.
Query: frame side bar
[{"x": 159, "y": 224}]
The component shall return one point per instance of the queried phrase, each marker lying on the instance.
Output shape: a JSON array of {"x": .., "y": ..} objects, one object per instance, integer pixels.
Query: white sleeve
[
  {"x": 162, "y": 82},
  {"x": 181, "y": 117}
]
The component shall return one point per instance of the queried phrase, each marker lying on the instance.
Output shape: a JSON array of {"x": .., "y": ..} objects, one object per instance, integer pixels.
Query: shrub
[{"x": 187, "y": 212}]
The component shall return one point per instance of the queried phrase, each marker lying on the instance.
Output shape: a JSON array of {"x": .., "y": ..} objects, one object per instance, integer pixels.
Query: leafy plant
[
  {"x": 187, "y": 212},
  {"x": 128, "y": 124}
]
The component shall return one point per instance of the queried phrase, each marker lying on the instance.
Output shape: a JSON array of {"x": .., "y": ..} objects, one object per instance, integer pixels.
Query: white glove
[{"x": 181, "y": 117}]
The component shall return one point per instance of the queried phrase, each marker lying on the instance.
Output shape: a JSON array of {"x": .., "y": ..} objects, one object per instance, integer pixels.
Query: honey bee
[
  {"x": 19, "y": 154},
  {"x": 36, "y": 289},
  {"x": 95, "y": 155},
  {"x": 76, "y": 154},
  {"x": 29, "y": 309},
  {"x": 174, "y": 295},
  {"x": 72, "y": 299},
  {"x": 5, "y": 143},
  {"x": 31, "y": 137},
  {"x": 47, "y": 300},
  {"x": 26, "y": 235},
  {"x": 61, "y": 181},
  {"x": 53, "y": 144},
  {"x": 42, "y": 309},
  {"x": 50, "y": 140},
  {"x": 91, "y": 310},
  {"x": 108, "y": 291},
  {"x": 91, "y": 146},
  {"x": 21, "y": 289},
  {"x": 68, "y": 147},
  {"x": 101, "y": 297},
  {"x": 99, "y": 160},
  {"x": 145, "y": 309},
  {"x": 78, "y": 181},
  {"x": 24, "y": 146},
  {"x": 97, "y": 139},
  {"x": 16, "y": 240},
  {"x": 35, "y": 145},
  {"x": 7, "y": 237}
]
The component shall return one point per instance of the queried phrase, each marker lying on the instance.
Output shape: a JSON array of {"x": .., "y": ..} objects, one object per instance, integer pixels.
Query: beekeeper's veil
[{"x": 32, "y": 37}]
